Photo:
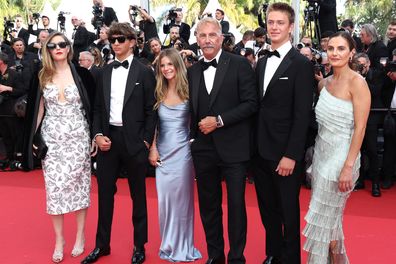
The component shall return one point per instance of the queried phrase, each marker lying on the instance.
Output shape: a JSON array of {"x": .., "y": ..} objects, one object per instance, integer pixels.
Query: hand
[
  {"x": 104, "y": 143},
  {"x": 318, "y": 76},
  {"x": 94, "y": 148},
  {"x": 208, "y": 124},
  {"x": 154, "y": 157},
  {"x": 345, "y": 182},
  {"x": 147, "y": 144},
  {"x": 37, "y": 45},
  {"x": 392, "y": 75},
  {"x": 285, "y": 166},
  {"x": 4, "y": 88}
]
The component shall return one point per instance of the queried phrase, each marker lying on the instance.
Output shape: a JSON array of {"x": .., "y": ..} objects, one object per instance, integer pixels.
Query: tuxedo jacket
[
  {"x": 387, "y": 92},
  {"x": 80, "y": 42},
  {"x": 234, "y": 98},
  {"x": 285, "y": 109},
  {"x": 24, "y": 34},
  {"x": 225, "y": 26},
  {"x": 109, "y": 16},
  {"x": 391, "y": 47},
  {"x": 138, "y": 117},
  {"x": 13, "y": 79},
  {"x": 375, "y": 81},
  {"x": 375, "y": 51}
]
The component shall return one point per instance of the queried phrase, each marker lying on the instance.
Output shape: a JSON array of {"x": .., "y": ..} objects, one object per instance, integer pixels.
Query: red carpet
[{"x": 26, "y": 234}]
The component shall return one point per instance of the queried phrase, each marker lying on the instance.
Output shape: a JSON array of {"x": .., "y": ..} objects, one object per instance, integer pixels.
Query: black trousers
[
  {"x": 278, "y": 200},
  {"x": 370, "y": 149},
  {"x": 210, "y": 170},
  {"x": 11, "y": 130},
  {"x": 389, "y": 160},
  {"x": 109, "y": 164}
]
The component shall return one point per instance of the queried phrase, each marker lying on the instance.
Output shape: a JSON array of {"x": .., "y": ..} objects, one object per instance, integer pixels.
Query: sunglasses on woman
[
  {"x": 61, "y": 45},
  {"x": 120, "y": 39}
]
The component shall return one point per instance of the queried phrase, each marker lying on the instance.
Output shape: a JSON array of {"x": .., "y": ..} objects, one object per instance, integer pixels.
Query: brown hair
[
  {"x": 284, "y": 8},
  {"x": 123, "y": 29},
  {"x": 48, "y": 70},
  {"x": 181, "y": 77}
]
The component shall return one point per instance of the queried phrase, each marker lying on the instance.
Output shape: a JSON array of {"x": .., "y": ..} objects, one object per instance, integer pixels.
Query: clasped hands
[{"x": 207, "y": 124}]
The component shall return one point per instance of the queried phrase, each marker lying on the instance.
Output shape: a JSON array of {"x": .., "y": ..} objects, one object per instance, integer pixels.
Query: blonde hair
[
  {"x": 161, "y": 88},
  {"x": 48, "y": 70}
]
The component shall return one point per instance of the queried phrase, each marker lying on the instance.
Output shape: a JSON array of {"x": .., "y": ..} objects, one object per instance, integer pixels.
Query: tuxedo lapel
[
  {"x": 261, "y": 71},
  {"x": 286, "y": 62},
  {"x": 131, "y": 81},
  {"x": 221, "y": 71},
  {"x": 107, "y": 86},
  {"x": 196, "y": 82}
]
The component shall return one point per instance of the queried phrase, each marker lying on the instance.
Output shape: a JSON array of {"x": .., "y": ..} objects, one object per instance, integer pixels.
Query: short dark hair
[
  {"x": 248, "y": 34},
  {"x": 327, "y": 34},
  {"x": 345, "y": 35},
  {"x": 393, "y": 22},
  {"x": 221, "y": 11},
  {"x": 283, "y": 7},
  {"x": 259, "y": 32},
  {"x": 123, "y": 29},
  {"x": 4, "y": 58},
  {"x": 44, "y": 16},
  {"x": 16, "y": 40},
  {"x": 347, "y": 23}
]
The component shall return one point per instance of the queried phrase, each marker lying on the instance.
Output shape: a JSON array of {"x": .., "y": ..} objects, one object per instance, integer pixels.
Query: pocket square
[
  {"x": 284, "y": 78},
  {"x": 137, "y": 83}
]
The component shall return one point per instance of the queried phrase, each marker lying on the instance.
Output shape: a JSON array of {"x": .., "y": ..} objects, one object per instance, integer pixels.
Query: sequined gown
[
  {"x": 175, "y": 185},
  {"x": 67, "y": 165},
  {"x": 324, "y": 218}
]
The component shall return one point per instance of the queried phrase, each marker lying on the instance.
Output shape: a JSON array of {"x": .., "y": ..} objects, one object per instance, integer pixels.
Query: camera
[
  {"x": 192, "y": 58},
  {"x": 390, "y": 66},
  {"x": 140, "y": 40},
  {"x": 36, "y": 16},
  {"x": 8, "y": 25},
  {"x": 172, "y": 14},
  {"x": 135, "y": 10},
  {"x": 97, "y": 10},
  {"x": 19, "y": 68},
  {"x": 98, "y": 20},
  {"x": 318, "y": 68}
]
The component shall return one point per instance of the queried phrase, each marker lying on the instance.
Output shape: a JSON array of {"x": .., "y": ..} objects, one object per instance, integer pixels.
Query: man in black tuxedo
[
  {"x": 285, "y": 81},
  {"x": 185, "y": 29},
  {"x": 225, "y": 25},
  {"x": 222, "y": 100},
  {"x": 123, "y": 125},
  {"x": 79, "y": 37},
  {"x": 45, "y": 21},
  {"x": 108, "y": 13},
  {"x": 21, "y": 32},
  {"x": 36, "y": 46}
]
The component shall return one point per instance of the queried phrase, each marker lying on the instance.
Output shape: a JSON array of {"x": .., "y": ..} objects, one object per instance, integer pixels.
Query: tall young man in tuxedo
[
  {"x": 222, "y": 101},
  {"x": 285, "y": 81},
  {"x": 123, "y": 125}
]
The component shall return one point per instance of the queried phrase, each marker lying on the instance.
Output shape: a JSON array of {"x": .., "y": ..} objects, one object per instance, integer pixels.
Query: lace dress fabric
[
  {"x": 324, "y": 218},
  {"x": 67, "y": 165}
]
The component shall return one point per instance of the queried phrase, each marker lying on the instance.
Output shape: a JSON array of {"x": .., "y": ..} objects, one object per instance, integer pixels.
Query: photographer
[
  {"x": 225, "y": 25},
  {"x": 173, "y": 36},
  {"x": 11, "y": 128},
  {"x": 107, "y": 13},
  {"x": 247, "y": 36},
  {"x": 389, "y": 100},
  {"x": 44, "y": 20},
  {"x": 174, "y": 17},
  {"x": 80, "y": 38},
  {"x": 375, "y": 83},
  {"x": 20, "y": 32},
  {"x": 146, "y": 24},
  {"x": 373, "y": 46},
  {"x": 36, "y": 46},
  {"x": 189, "y": 57}
]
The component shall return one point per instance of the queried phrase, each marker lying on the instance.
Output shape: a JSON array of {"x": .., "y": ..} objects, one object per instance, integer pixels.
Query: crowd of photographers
[{"x": 374, "y": 60}]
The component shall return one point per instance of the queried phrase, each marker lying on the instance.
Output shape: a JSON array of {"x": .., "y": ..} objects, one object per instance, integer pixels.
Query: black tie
[
  {"x": 74, "y": 32},
  {"x": 207, "y": 64},
  {"x": 271, "y": 53},
  {"x": 124, "y": 64}
]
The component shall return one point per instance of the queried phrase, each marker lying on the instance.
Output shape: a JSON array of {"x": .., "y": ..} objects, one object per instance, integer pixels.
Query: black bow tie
[
  {"x": 271, "y": 53},
  {"x": 206, "y": 64},
  {"x": 124, "y": 64}
]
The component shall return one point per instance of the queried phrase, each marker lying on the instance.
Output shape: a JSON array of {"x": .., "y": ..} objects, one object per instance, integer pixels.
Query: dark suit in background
[
  {"x": 375, "y": 51},
  {"x": 225, "y": 26},
  {"x": 80, "y": 42},
  {"x": 127, "y": 147},
  {"x": 282, "y": 124},
  {"x": 327, "y": 15},
  {"x": 24, "y": 34},
  {"x": 225, "y": 151},
  {"x": 109, "y": 16},
  {"x": 391, "y": 47}
]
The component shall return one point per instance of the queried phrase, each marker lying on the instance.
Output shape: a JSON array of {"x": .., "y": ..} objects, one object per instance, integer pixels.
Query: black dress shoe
[
  {"x": 95, "y": 255},
  {"x": 218, "y": 260},
  {"x": 359, "y": 185},
  {"x": 138, "y": 256},
  {"x": 375, "y": 190},
  {"x": 272, "y": 260}
]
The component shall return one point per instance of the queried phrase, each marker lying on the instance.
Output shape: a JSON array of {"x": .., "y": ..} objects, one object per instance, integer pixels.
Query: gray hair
[
  {"x": 88, "y": 54},
  {"x": 208, "y": 20},
  {"x": 371, "y": 31},
  {"x": 361, "y": 55}
]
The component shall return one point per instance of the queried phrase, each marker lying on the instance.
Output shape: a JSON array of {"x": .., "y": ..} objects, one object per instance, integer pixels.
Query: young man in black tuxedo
[
  {"x": 222, "y": 101},
  {"x": 123, "y": 125},
  {"x": 285, "y": 81}
]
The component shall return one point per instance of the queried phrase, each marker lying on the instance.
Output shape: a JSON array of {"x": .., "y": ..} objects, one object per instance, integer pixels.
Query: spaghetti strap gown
[
  {"x": 175, "y": 185},
  {"x": 67, "y": 165},
  {"x": 324, "y": 218}
]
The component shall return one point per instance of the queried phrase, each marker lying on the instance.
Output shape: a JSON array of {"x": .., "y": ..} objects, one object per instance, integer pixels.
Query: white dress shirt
[
  {"x": 119, "y": 78},
  {"x": 209, "y": 74},
  {"x": 273, "y": 63}
]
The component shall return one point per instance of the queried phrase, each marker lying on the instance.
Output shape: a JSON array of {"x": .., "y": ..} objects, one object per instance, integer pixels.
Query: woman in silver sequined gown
[
  {"x": 171, "y": 156},
  {"x": 341, "y": 113}
]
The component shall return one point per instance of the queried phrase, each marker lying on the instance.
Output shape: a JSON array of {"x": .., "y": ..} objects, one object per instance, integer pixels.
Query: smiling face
[
  {"x": 209, "y": 38},
  {"x": 58, "y": 53},
  {"x": 339, "y": 52},
  {"x": 168, "y": 70},
  {"x": 279, "y": 28}
]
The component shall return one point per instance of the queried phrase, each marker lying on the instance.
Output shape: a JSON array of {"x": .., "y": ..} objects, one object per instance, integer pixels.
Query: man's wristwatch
[{"x": 219, "y": 121}]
